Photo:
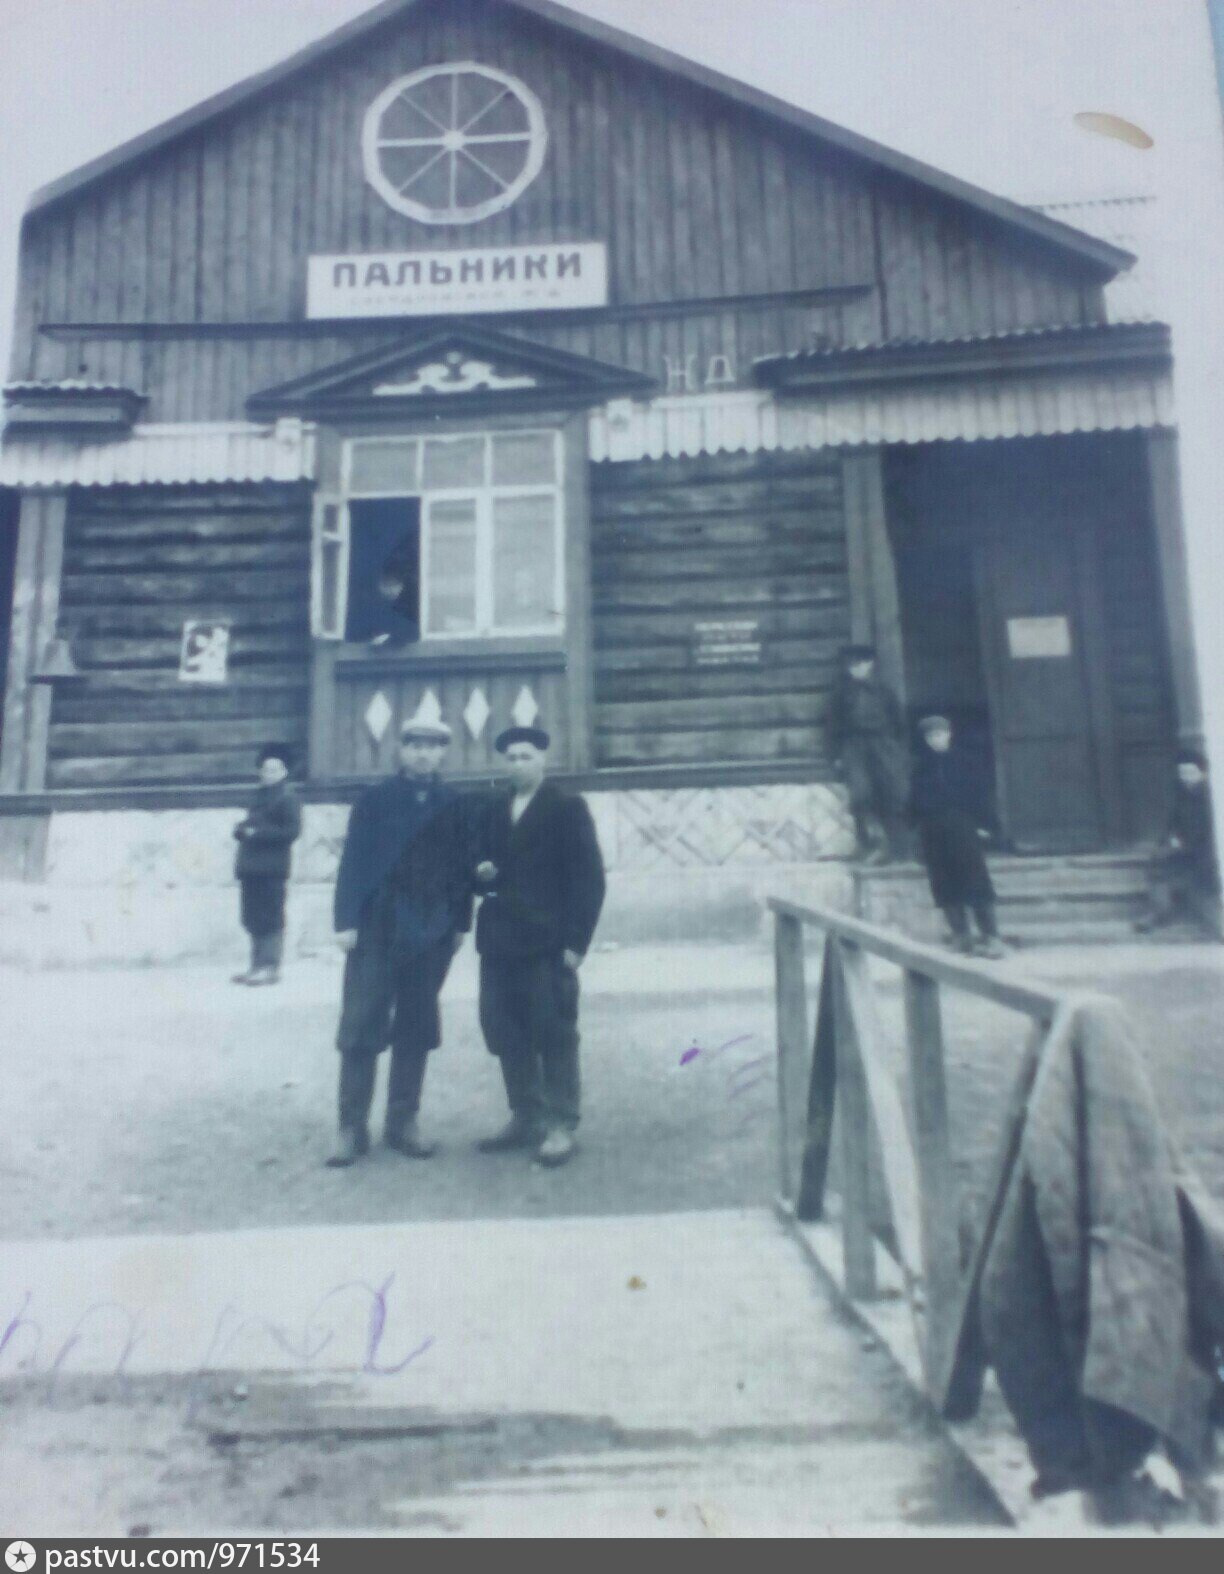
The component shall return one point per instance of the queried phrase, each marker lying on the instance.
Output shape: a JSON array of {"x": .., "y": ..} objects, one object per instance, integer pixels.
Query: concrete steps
[{"x": 1074, "y": 900}]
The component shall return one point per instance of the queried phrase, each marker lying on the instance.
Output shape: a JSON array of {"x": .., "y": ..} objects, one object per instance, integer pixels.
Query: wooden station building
[{"x": 657, "y": 389}]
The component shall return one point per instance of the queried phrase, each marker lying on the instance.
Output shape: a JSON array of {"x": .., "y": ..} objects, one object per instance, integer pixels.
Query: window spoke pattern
[{"x": 419, "y": 135}]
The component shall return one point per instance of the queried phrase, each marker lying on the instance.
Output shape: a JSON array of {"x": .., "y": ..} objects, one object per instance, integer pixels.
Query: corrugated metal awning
[
  {"x": 970, "y": 411},
  {"x": 170, "y": 455}
]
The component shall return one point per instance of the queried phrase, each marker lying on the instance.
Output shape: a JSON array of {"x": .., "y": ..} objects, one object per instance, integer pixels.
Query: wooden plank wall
[
  {"x": 745, "y": 537},
  {"x": 696, "y": 198},
  {"x": 138, "y": 563}
]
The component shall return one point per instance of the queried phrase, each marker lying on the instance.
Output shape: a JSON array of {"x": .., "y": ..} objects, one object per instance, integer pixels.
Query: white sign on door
[
  {"x": 446, "y": 283},
  {"x": 1035, "y": 638}
]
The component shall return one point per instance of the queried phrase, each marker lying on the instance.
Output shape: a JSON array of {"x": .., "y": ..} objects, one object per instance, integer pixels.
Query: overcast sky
[{"x": 987, "y": 89}]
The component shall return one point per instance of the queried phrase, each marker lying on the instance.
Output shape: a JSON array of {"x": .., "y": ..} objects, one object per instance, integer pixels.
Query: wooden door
[{"x": 1037, "y": 638}]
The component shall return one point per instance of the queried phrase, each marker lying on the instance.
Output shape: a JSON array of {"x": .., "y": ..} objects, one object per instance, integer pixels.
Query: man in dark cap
[
  {"x": 403, "y": 904},
  {"x": 1186, "y": 879},
  {"x": 265, "y": 840},
  {"x": 865, "y": 729},
  {"x": 542, "y": 878}
]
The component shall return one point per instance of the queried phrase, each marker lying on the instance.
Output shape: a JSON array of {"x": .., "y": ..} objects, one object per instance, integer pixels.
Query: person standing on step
[
  {"x": 402, "y": 906},
  {"x": 541, "y": 875},
  {"x": 865, "y": 730},
  {"x": 951, "y": 814},
  {"x": 265, "y": 841},
  {"x": 1186, "y": 877}
]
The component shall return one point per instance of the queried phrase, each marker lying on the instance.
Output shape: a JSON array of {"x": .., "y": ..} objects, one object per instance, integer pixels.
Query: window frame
[{"x": 329, "y": 622}]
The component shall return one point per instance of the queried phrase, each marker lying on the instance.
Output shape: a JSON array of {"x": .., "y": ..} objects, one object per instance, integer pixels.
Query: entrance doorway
[
  {"x": 1030, "y": 613},
  {"x": 8, "y": 568}
]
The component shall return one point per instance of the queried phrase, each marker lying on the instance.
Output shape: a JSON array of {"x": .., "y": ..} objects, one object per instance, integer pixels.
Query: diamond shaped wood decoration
[
  {"x": 429, "y": 711},
  {"x": 525, "y": 709},
  {"x": 476, "y": 712},
  {"x": 378, "y": 716}
]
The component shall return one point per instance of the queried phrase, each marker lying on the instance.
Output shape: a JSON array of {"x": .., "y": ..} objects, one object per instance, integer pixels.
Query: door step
[{"x": 1081, "y": 899}]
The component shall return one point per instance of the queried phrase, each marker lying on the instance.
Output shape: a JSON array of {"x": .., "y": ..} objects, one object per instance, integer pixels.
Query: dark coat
[
  {"x": 949, "y": 807},
  {"x": 948, "y": 783},
  {"x": 410, "y": 845},
  {"x": 1190, "y": 825},
  {"x": 265, "y": 838},
  {"x": 550, "y": 877},
  {"x": 1102, "y": 1292},
  {"x": 861, "y": 708}
]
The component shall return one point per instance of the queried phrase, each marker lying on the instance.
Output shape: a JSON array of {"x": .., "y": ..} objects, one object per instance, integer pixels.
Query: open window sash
[{"x": 329, "y": 582}]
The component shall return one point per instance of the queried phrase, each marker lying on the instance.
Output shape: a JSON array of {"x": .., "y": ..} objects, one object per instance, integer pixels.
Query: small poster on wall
[{"x": 205, "y": 654}]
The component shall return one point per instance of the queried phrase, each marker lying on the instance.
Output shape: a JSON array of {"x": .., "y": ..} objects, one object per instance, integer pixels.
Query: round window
[{"x": 453, "y": 144}]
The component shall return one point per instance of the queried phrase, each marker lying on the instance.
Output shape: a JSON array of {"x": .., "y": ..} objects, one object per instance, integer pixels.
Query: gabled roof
[
  {"x": 1102, "y": 257},
  {"x": 457, "y": 367}
]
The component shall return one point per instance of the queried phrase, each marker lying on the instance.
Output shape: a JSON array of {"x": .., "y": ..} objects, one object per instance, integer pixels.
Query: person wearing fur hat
[
  {"x": 1186, "y": 880},
  {"x": 541, "y": 876},
  {"x": 265, "y": 840},
  {"x": 403, "y": 904},
  {"x": 865, "y": 731},
  {"x": 948, "y": 806}
]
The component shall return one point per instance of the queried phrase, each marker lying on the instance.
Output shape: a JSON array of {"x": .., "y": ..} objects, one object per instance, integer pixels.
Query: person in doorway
[
  {"x": 403, "y": 903},
  {"x": 542, "y": 880},
  {"x": 394, "y": 620},
  {"x": 865, "y": 729},
  {"x": 1186, "y": 879},
  {"x": 948, "y": 807},
  {"x": 265, "y": 841}
]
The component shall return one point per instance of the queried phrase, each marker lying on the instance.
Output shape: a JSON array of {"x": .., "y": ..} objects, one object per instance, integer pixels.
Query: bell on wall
[{"x": 57, "y": 665}]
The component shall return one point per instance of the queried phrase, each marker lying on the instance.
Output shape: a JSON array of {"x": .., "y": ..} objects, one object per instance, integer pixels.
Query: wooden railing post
[
  {"x": 936, "y": 1183},
  {"x": 854, "y": 1127},
  {"x": 792, "y": 1050}
]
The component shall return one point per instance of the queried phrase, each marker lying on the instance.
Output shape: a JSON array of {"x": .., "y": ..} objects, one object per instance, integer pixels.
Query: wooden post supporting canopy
[
  {"x": 875, "y": 607},
  {"x": 1165, "y": 484},
  {"x": 36, "y": 593}
]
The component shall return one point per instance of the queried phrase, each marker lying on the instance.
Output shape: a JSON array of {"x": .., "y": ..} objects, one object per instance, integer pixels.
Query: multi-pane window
[{"x": 482, "y": 524}]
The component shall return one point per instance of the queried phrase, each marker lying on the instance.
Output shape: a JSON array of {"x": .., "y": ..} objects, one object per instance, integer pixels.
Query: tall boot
[
  {"x": 267, "y": 954},
  {"x": 357, "y": 1073},
  {"x": 404, "y": 1083},
  {"x": 252, "y": 969}
]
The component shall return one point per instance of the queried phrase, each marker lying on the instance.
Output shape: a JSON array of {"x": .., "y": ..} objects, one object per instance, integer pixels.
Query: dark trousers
[
  {"x": 263, "y": 917},
  {"x": 957, "y": 915},
  {"x": 390, "y": 997},
  {"x": 876, "y": 771},
  {"x": 529, "y": 1017}
]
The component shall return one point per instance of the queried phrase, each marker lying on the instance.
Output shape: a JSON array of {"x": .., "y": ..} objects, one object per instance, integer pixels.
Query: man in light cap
[
  {"x": 542, "y": 878},
  {"x": 403, "y": 904}
]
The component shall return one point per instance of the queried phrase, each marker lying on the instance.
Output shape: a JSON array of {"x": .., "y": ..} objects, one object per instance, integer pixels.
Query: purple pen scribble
[
  {"x": 134, "y": 1336},
  {"x": 302, "y": 1344},
  {"x": 18, "y": 1321},
  {"x": 712, "y": 1054}
]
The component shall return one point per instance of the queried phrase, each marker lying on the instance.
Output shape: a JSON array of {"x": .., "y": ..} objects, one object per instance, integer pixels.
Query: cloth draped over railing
[{"x": 1094, "y": 1284}]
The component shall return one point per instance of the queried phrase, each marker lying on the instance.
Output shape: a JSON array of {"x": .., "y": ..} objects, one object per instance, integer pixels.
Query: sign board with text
[
  {"x": 448, "y": 283},
  {"x": 733, "y": 642}
]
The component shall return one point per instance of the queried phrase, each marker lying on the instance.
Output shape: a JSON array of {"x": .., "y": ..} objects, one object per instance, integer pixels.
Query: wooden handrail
[
  {"x": 846, "y": 1065},
  {"x": 975, "y": 978}
]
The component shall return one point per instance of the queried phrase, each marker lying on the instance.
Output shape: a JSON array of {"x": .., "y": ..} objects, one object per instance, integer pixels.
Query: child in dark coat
[
  {"x": 948, "y": 807},
  {"x": 1186, "y": 881},
  {"x": 265, "y": 838}
]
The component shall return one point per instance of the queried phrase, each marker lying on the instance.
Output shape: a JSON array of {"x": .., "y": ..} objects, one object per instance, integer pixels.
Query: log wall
[
  {"x": 682, "y": 547},
  {"x": 138, "y": 564}
]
